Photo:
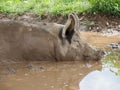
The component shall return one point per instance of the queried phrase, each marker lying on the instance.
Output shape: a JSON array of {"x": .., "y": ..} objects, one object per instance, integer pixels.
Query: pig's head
[{"x": 72, "y": 45}]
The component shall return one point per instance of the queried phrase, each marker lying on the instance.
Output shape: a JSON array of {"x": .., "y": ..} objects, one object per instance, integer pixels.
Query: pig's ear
[{"x": 71, "y": 26}]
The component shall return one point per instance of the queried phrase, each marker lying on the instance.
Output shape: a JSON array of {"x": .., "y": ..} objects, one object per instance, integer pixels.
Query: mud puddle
[
  {"x": 57, "y": 76},
  {"x": 70, "y": 75},
  {"x": 99, "y": 40},
  {"x": 45, "y": 75}
]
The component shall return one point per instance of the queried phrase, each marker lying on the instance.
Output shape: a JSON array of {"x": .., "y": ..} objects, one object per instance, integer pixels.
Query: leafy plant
[{"x": 106, "y": 6}]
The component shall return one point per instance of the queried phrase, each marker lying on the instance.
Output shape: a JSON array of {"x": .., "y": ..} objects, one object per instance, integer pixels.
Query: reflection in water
[
  {"x": 57, "y": 76},
  {"x": 100, "y": 80},
  {"x": 104, "y": 80},
  {"x": 112, "y": 61},
  {"x": 107, "y": 79}
]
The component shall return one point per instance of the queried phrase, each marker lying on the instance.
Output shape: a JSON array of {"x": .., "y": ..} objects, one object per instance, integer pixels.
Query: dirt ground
[{"x": 93, "y": 22}]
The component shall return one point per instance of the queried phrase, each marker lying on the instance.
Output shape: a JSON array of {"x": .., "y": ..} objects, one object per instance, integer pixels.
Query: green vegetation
[
  {"x": 106, "y": 6},
  {"x": 112, "y": 61},
  {"x": 44, "y": 6},
  {"x": 63, "y": 7}
]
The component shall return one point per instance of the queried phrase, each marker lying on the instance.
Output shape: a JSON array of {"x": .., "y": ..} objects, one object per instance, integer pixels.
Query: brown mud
[
  {"x": 45, "y": 75},
  {"x": 61, "y": 75},
  {"x": 99, "y": 40}
]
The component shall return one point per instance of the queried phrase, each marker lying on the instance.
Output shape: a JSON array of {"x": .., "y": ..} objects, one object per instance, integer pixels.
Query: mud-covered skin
[{"x": 44, "y": 41}]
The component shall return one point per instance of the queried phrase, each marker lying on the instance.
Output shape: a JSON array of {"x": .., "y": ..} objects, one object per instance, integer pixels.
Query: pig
[{"x": 44, "y": 41}]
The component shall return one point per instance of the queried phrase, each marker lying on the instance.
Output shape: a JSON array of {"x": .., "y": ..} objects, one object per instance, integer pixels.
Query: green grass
[
  {"x": 55, "y": 7},
  {"x": 60, "y": 7}
]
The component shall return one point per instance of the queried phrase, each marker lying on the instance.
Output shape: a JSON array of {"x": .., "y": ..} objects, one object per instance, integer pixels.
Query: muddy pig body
[{"x": 44, "y": 41}]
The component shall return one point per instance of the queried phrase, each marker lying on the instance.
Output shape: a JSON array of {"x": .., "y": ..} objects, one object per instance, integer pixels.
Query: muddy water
[
  {"x": 100, "y": 40},
  {"x": 73, "y": 75},
  {"x": 45, "y": 75}
]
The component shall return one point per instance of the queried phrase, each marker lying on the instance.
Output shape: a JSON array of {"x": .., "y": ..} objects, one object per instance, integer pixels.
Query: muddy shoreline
[{"x": 94, "y": 22}]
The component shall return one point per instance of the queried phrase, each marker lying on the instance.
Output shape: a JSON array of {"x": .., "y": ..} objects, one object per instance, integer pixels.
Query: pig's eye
[
  {"x": 75, "y": 44},
  {"x": 85, "y": 55}
]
